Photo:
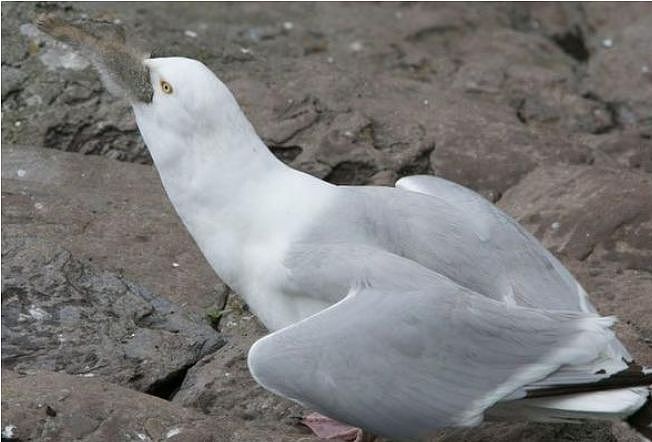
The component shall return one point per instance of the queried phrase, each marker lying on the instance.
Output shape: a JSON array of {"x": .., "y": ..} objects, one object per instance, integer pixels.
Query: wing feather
[{"x": 402, "y": 364}]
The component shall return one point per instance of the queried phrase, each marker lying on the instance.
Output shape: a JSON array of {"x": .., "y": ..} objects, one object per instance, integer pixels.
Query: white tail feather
[{"x": 612, "y": 405}]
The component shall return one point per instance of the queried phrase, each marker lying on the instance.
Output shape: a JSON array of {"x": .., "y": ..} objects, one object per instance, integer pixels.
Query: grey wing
[
  {"x": 404, "y": 363},
  {"x": 502, "y": 233},
  {"x": 535, "y": 277}
]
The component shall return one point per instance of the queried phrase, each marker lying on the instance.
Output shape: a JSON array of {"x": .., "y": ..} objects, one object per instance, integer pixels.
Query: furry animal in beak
[{"x": 121, "y": 67}]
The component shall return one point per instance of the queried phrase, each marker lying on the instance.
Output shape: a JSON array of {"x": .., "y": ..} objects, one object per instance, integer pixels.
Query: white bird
[{"x": 397, "y": 310}]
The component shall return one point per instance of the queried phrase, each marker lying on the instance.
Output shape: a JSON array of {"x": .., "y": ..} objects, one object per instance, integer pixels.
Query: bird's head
[{"x": 188, "y": 99}]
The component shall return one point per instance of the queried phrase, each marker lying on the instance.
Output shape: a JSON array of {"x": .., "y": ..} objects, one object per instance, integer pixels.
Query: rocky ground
[{"x": 113, "y": 325}]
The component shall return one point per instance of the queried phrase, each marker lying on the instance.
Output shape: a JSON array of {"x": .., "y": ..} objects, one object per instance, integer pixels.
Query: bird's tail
[{"x": 624, "y": 397}]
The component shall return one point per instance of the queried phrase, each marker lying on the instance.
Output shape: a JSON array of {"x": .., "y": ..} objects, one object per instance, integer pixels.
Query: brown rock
[
  {"x": 46, "y": 406},
  {"x": 221, "y": 385},
  {"x": 115, "y": 215},
  {"x": 580, "y": 210}
]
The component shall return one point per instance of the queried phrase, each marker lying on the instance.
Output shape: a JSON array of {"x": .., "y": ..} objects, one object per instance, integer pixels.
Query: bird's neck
[{"x": 232, "y": 194}]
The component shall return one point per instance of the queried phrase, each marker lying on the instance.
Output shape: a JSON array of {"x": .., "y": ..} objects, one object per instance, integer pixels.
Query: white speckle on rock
[
  {"x": 288, "y": 25},
  {"x": 8, "y": 431},
  {"x": 607, "y": 43},
  {"x": 142, "y": 436},
  {"x": 18, "y": 123},
  {"x": 227, "y": 374},
  {"x": 38, "y": 206},
  {"x": 245, "y": 50},
  {"x": 398, "y": 15},
  {"x": 175, "y": 264},
  {"x": 645, "y": 69},
  {"x": 87, "y": 375},
  {"x": 37, "y": 313},
  {"x": 34, "y": 100},
  {"x": 330, "y": 60},
  {"x": 356, "y": 46},
  {"x": 173, "y": 432},
  {"x": 426, "y": 102},
  {"x": 555, "y": 225},
  {"x": 189, "y": 33},
  {"x": 30, "y": 30},
  {"x": 348, "y": 134},
  {"x": 117, "y": 21}
]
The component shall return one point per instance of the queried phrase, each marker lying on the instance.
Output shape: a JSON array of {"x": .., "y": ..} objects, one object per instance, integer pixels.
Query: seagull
[{"x": 398, "y": 310}]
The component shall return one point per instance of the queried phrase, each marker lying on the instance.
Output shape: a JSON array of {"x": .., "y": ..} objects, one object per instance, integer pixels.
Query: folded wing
[{"x": 402, "y": 364}]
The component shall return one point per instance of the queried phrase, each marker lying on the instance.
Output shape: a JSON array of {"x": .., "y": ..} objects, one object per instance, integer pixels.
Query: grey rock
[
  {"x": 113, "y": 214},
  {"x": 60, "y": 314}
]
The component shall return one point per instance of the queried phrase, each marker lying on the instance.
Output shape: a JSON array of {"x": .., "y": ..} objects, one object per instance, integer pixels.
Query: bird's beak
[{"x": 121, "y": 68}]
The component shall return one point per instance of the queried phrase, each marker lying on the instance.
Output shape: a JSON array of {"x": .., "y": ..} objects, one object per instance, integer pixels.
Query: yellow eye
[{"x": 166, "y": 87}]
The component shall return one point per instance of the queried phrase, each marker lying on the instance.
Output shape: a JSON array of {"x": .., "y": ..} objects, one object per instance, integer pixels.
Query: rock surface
[
  {"x": 114, "y": 215},
  {"x": 542, "y": 107},
  {"x": 59, "y": 314},
  {"x": 221, "y": 384},
  {"x": 45, "y": 406}
]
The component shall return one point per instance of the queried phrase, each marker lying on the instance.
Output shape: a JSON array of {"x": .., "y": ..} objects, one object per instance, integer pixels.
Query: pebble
[
  {"x": 37, "y": 313},
  {"x": 8, "y": 432},
  {"x": 356, "y": 46},
  {"x": 172, "y": 432}
]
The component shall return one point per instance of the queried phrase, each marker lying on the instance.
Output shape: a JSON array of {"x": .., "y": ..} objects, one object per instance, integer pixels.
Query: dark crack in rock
[{"x": 60, "y": 314}]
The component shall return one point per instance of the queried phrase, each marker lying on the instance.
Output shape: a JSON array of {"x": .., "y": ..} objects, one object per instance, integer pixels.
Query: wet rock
[
  {"x": 47, "y": 406},
  {"x": 60, "y": 314},
  {"x": 113, "y": 214}
]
